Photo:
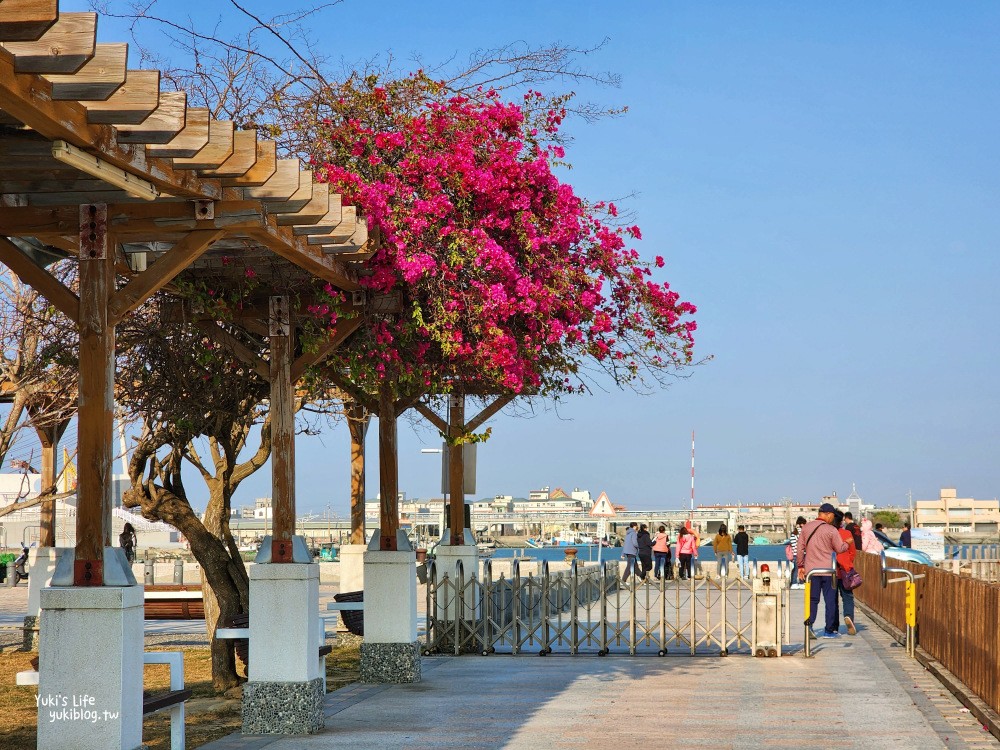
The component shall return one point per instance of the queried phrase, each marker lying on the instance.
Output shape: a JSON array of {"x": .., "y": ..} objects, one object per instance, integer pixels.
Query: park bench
[
  {"x": 237, "y": 629},
  {"x": 173, "y": 699},
  {"x": 174, "y": 602},
  {"x": 351, "y": 606}
]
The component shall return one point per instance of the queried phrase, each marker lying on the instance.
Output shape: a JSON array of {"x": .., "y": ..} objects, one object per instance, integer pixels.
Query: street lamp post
[{"x": 445, "y": 494}]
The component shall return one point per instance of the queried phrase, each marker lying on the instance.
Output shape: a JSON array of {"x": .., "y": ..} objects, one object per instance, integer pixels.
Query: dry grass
[{"x": 209, "y": 716}]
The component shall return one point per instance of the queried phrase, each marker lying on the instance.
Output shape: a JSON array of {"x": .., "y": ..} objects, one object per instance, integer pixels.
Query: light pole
[{"x": 440, "y": 451}]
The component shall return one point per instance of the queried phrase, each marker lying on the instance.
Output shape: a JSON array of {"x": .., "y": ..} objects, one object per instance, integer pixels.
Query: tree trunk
[{"x": 226, "y": 585}]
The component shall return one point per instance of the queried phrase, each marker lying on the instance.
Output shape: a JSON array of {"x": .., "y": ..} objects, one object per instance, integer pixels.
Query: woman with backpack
[{"x": 128, "y": 541}]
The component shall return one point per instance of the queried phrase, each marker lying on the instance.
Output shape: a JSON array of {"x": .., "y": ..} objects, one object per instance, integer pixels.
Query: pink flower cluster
[{"x": 509, "y": 279}]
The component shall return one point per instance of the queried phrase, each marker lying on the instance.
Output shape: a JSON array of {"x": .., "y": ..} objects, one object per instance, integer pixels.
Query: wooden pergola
[{"x": 98, "y": 164}]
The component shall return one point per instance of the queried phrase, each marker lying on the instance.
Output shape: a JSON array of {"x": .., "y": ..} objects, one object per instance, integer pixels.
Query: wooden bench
[
  {"x": 237, "y": 629},
  {"x": 350, "y": 605},
  {"x": 173, "y": 699},
  {"x": 174, "y": 602}
]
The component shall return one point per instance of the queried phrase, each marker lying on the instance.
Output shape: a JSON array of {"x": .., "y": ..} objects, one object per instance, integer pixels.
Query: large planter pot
[
  {"x": 421, "y": 555},
  {"x": 571, "y": 553}
]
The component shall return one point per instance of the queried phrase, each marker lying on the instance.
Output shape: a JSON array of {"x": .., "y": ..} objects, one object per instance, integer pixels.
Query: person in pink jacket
[
  {"x": 869, "y": 542},
  {"x": 686, "y": 549}
]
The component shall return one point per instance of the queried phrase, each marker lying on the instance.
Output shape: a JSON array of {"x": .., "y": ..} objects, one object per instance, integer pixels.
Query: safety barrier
[{"x": 587, "y": 609}]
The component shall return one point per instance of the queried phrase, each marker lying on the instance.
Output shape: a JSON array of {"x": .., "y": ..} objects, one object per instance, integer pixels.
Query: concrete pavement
[{"x": 856, "y": 692}]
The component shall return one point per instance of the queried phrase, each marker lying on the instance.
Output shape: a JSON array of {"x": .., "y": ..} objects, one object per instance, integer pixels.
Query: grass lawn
[{"x": 217, "y": 718}]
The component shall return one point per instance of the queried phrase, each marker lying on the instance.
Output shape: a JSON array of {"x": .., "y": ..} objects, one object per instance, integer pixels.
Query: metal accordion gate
[{"x": 587, "y": 609}]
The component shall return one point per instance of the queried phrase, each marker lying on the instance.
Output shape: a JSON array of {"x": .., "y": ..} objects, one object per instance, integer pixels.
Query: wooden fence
[{"x": 958, "y": 620}]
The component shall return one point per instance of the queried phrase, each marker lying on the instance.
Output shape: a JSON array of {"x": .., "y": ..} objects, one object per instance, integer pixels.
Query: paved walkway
[{"x": 857, "y": 692}]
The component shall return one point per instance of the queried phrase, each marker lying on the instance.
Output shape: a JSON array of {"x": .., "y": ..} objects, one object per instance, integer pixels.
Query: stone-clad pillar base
[
  {"x": 283, "y": 707},
  {"x": 90, "y": 668},
  {"x": 352, "y": 567},
  {"x": 30, "y": 641},
  {"x": 390, "y": 662}
]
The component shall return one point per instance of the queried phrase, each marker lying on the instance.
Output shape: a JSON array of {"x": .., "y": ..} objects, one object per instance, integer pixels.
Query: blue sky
[{"x": 823, "y": 182}]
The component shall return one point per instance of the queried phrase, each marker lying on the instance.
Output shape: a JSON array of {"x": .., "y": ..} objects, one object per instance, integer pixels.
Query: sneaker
[
  {"x": 824, "y": 634},
  {"x": 851, "y": 630}
]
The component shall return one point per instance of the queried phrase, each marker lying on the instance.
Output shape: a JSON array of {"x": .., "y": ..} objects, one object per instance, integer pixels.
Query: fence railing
[
  {"x": 958, "y": 620},
  {"x": 587, "y": 608}
]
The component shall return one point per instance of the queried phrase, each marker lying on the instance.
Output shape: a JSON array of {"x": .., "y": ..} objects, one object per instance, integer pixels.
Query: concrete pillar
[
  {"x": 390, "y": 652},
  {"x": 41, "y": 565},
  {"x": 90, "y": 668},
  {"x": 352, "y": 567},
  {"x": 284, "y": 694}
]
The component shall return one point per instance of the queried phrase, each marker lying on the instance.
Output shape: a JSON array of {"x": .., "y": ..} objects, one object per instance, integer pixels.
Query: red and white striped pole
[{"x": 692, "y": 476}]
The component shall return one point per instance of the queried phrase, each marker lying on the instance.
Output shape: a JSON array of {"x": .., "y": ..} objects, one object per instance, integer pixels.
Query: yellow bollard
[{"x": 911, "y": 604}]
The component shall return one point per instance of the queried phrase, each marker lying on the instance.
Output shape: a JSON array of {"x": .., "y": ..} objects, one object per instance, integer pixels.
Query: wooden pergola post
[
  {"x": 282, "y": 410},
  {"x": 456, "y": 467},
  {"x": 388, "y": 470},
  {"x": 49, "y": 436},
  {"x": 96, "y": 400},
  {"x": 357, "y": 426}
]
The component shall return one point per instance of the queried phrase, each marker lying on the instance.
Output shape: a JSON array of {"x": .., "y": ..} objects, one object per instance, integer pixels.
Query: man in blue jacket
[{"x": 630, "y": 550}]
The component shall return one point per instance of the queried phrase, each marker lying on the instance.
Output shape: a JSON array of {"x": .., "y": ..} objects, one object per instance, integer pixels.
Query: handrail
[
  {"x": 831, "y": 571},
  {"x": 910, "y": 608}
]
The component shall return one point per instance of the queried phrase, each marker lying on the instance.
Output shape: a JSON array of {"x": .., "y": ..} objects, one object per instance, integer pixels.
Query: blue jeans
[
  {"x": 662, "y": 559},
  {"x": 743, "y": 563},
  {"x": 823, "y": 585},
  {"x": 848, "y": 599},
  {"x": 630, "y": 567},
  {"x": 723, "y": 563}
]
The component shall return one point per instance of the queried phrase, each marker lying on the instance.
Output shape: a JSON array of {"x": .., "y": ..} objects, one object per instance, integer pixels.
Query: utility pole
[{"x": 909, "y": 494}]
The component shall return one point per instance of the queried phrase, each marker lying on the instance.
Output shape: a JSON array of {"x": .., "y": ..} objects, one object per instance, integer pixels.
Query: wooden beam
[
  {"x": 99, "y": 78},
  {"x": 27, "y": 20},
  {"x": 329, "y": 222},
  {"x": 243, "y": 159},
  {"x": 133, "y": 221},
  {"x": 49, "y": 436},
  {"x": 284, "y": 183},
  {"x": 217, "y": 150},
  {"x": 63, "y": 48},
  {"x": 39, "y": 279},
  {"x": 305, "y": 257},
  {"x": 297, "y": 200},
  {"x": 431, "y": 416},
  {"x": 29, "y": 99},
  {"x": 163, "y": 271},
  {"x": 96, "y": 414},
  {"x": 344, "y": 329},
  {"x": 236, "y": 347},
  {"x": 262, "y": 170},
  {"x": 192, "y": 139},
  {"x": 131, "y": 104},
  {"x": 313, "y": 211},
  {"x": 357, "y": 426},
  {"x": 388, "y": 471},
  {"x": 499, "y": 403},
  {"x": 282, "y": 413},
  {"x": 456, "y": 468},
  {"x": 163, "y": 125}
]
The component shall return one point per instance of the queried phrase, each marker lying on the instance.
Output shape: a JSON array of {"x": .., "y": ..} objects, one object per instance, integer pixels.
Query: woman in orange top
[
  {"x": 845, "y": 561},
  {"x": 661, "y": 552}
]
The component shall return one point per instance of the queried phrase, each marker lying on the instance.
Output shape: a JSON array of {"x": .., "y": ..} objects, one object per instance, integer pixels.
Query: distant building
[{"x": 953, "y": 514}]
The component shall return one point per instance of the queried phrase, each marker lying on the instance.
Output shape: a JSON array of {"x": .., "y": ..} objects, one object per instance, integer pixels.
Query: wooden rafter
[
  {"x": 232, "y": 344},
  {"x": 99, "y": 77},
  {"x": 27, "y": 20},
  {"x": 41, "y": 280},
  {"x": 304, "y": 362},
  {"x": 29, "y": 99},
  {"x": 64, "y": 48},
  {"x": 143, "y": 286}
]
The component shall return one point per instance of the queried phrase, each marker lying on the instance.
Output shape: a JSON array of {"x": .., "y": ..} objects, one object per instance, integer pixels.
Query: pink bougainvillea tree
[{"x": 510, "y": 281}]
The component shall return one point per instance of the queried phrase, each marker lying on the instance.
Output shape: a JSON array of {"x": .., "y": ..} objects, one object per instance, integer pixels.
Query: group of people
[
  {"x": 832, "y": 532},
  {"x": 644, "y": 552}
]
